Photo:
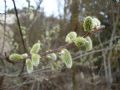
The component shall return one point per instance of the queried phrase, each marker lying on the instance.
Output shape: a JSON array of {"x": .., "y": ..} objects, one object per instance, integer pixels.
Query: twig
[
  {"x": 19, "y": 26},
  {"x": 100, "y": 29},
  {"x": 21, "y": 34},
  {"x": 68, "y": 45},
  {"x": 115, "y": 21},
  {"x": 55, "y": 50},
  {"x": 36, "y": 16}
]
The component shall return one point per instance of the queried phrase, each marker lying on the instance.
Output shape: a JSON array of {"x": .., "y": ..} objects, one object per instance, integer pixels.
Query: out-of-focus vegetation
[{"x": 97, "y": 69}]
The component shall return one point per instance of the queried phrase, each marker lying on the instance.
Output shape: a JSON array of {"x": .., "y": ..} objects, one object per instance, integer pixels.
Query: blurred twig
[{"x": 115, "y": 21}]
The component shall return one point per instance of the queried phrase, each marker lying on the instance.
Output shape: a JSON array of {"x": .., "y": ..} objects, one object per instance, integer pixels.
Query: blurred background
[{"x": 49, "y": 21}]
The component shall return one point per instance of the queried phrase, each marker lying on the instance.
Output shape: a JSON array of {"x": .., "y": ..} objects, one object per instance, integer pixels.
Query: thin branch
[
  {"x": 115, "y": 21},
  {"x": 19, "y": 26},
  {"x": 21, "y": 34},
  {"x": 69, "y": 45},
  {"x": 36, "y": 16},
  {"x": 55, "y": 50},
  {"x": 95, "y": 51}
]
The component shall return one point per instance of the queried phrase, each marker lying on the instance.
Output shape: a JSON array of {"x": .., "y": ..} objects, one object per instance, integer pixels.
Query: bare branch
[{"x": 19, "y": 26}]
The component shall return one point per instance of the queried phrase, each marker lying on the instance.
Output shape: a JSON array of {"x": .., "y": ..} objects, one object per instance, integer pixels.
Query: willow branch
[
  {"x": 54, "y": 50},
  {"x": 68, "y": 45}
]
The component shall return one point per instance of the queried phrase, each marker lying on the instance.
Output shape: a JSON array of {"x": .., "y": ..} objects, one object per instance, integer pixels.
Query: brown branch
[
  {"x": 8, "y": 60},
  {"x": 19, "y": 26},
  {"x": 21, "y": 34},
  {"x": 6, "y": 57},
  {"x": 100, "y": 29},
  {"x": 55, "y": 50},
  {"x": 68, "y": 45}
]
